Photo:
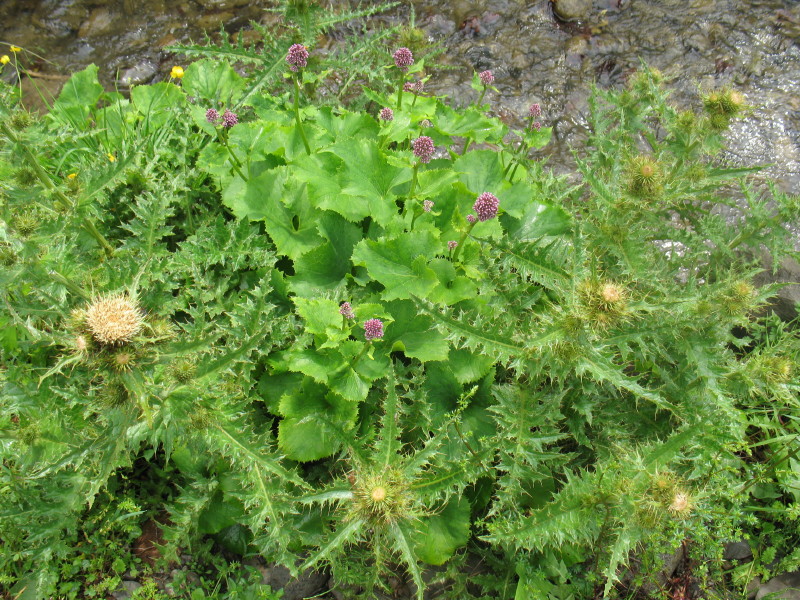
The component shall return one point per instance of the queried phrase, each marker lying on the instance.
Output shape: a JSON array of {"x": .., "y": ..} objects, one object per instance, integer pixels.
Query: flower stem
[
  {"x": 297, "y": 114},
  {"x": 483, "y": 93},
  {"x": 360, "y": 354},
  {"x": 236, "y": 163},
  {"x": 400, "y": 91},
  {"x": 461, "y": 241}
]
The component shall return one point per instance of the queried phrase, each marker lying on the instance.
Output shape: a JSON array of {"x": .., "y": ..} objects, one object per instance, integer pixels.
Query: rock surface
[
  {"x": 783, "y": 587},
  {"x": 306, "y": 585}
]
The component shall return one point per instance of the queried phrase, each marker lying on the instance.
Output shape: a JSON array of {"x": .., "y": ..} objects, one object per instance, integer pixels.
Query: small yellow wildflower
[
  {"x": 112, "y": 158},
  {"x": 4, "y": 60},
  {"x": 177, "y": 72},
  {"x": 15, "y": 49},
  {"x": 72, "y": 176}
]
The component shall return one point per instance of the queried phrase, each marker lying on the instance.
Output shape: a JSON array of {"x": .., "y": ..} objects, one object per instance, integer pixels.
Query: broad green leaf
[
  {"x": 440, "y": 535},
  {"x": 78, "y": 97},
  {"x": 400, "y": 264},
  {"x": 452, "y": 288},
  {"x": 213, "y": 80},
  {"x": 414, "y": 334},
  {"x": 235, "y": 538},
  {"x": 468, "y": 366},
  {"x": 220, "y": 513},
  {"x": 288, "y": 216},
  {"x": 313, "y": 424},
  {"x": 368, "y": 182},
  {"x": 481, "y": 172},
  {"x": 327, "y": 265},
  {"x": 322, "y": 319},
  {"x": 157, "y": 103},
  {"x": 470, "y": 122},
  {"x": 346, "y": 124}
]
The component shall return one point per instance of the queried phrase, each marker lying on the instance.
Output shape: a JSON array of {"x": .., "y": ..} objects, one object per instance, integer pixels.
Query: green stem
[
  {"x": 461, "y": 241},
  {"x": 69, "y": 284},
  {"x": 44, "y": 177},
  {"x": 400, "y": 91},
  {"x": 483, "y": 93},
  {"x": 297, "y": 114},
  {"x": 466, "y": 145},
  {"x": 413, "y": 181},
  {"x": 237, "y": 165},
  {"x": 360, "y": 354}
]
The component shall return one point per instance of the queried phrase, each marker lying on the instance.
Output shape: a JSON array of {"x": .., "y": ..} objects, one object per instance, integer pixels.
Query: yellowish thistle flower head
[
  {"x": 15, "y": 49},
  {"x": 176, "y": 73},
  {"x": 114, "y": 319}
]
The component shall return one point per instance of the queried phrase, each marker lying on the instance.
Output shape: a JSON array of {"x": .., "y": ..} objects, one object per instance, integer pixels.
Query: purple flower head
[
  {"x": 535, "y": 110},
  {"x": 486, "y": 206},
  {"x": 212, "y": 116},
  {"x": 409, "y": 86},
  {"x": 347, "y": 311},
  {"x": 427, "y": 205},
  {"x": 451, "y": 245},
  {"x": 373, "y": 329},
  {"x": 403, "y": 59},
  {"x": 471, "y": 218},
  {"x": 537, "y": 126},
  {"x": 297, "y": 57},
  {"x": 229, "y": 119},
  {"x": 486, "y": 77},
  {"x": 386, "y": 114},
  {"x": 423, "y": 148}
]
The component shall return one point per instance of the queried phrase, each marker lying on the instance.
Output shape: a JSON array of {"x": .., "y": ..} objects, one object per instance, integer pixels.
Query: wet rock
[
  {"x": 222, "y": 4},
  {"x": 438, "y": 26},
  {"x": 98, "y": 23},
  {"x": 213, "y": 20},
  {"x": 138, "y": 74},
  {"x": 59, "y": 18},
  {"x": 305, "y": 585},
  {"x": 126, "y": 589},
  {"x": 738, "y": 551},
  {"x": 572, "y": 10},
  {"x": 752, "y": 588},
  {"x": 784, "y": 303},
  {"x": 784, "y": 587}
]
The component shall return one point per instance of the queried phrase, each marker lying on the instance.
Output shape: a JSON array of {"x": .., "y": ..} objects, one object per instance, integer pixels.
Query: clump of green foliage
[{"x": 383, "y": 343}]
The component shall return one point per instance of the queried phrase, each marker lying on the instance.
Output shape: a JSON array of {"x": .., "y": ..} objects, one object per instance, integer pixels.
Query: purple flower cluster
[
  {"x": 486, "y": 206},
  {"x": 373, "y": 329},
  {"x": 386, "y": 114},
  {"x": 347, "y": 311},
  {"x": 486, "y": 77},
  {"x": 427, "y": 205},
  {"x": 537, "y": 126},
  {"x": 403, "y": 58},
  {"x": 452, "y": 244},
  {"x": 423, "y": 148},
  {"x": 415, "y": 87},
  {"x": 228, "y": 118},
  {"x": 297, "y": 57},
  {"x": 471, "y": 219},
  {"x": 535, "y": 110}
]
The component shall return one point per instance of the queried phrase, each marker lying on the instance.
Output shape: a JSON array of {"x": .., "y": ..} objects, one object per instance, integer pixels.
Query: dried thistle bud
[
  {"x": 378, "y": 494},
  {"x": 681, "y": 505},
  {"x": 114, "y": 319},
  {"x": 644, "y": 177}
]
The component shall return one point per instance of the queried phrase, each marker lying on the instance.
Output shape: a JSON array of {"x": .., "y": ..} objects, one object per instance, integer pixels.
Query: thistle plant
[{"x": 310, "y": 373}]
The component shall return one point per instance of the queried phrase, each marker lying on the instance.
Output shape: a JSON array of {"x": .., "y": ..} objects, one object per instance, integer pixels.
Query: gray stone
[
  {"x": 222, "y": 4},
  {"x": 98, "y": 23},
  {"x": 786, "y": 299},
  {"x": 752, "y": 588},
  {"x": 782, "y": 587},
  {"x": 738, "y": 551},
  {"x": 140, "y": 73},
  {"x": 125, "y": 589},
  {"x": 572, "y": 10},
  {"x": 305, "y": 585}
]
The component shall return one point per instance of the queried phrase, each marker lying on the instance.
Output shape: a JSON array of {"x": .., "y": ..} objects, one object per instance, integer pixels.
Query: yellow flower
[
  {"x": 177, "y": 72},
  {"x": 14, "y": 48},
  {"x": 111, "y": 158},
  {"x": 4, "y": 60},
  {"x": 72, "y": 176}
]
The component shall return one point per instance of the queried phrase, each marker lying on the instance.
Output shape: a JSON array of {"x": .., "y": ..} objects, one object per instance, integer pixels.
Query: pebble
[
  {"x": 126, "y": 589},
  {"x": 572, "y": 10}
]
